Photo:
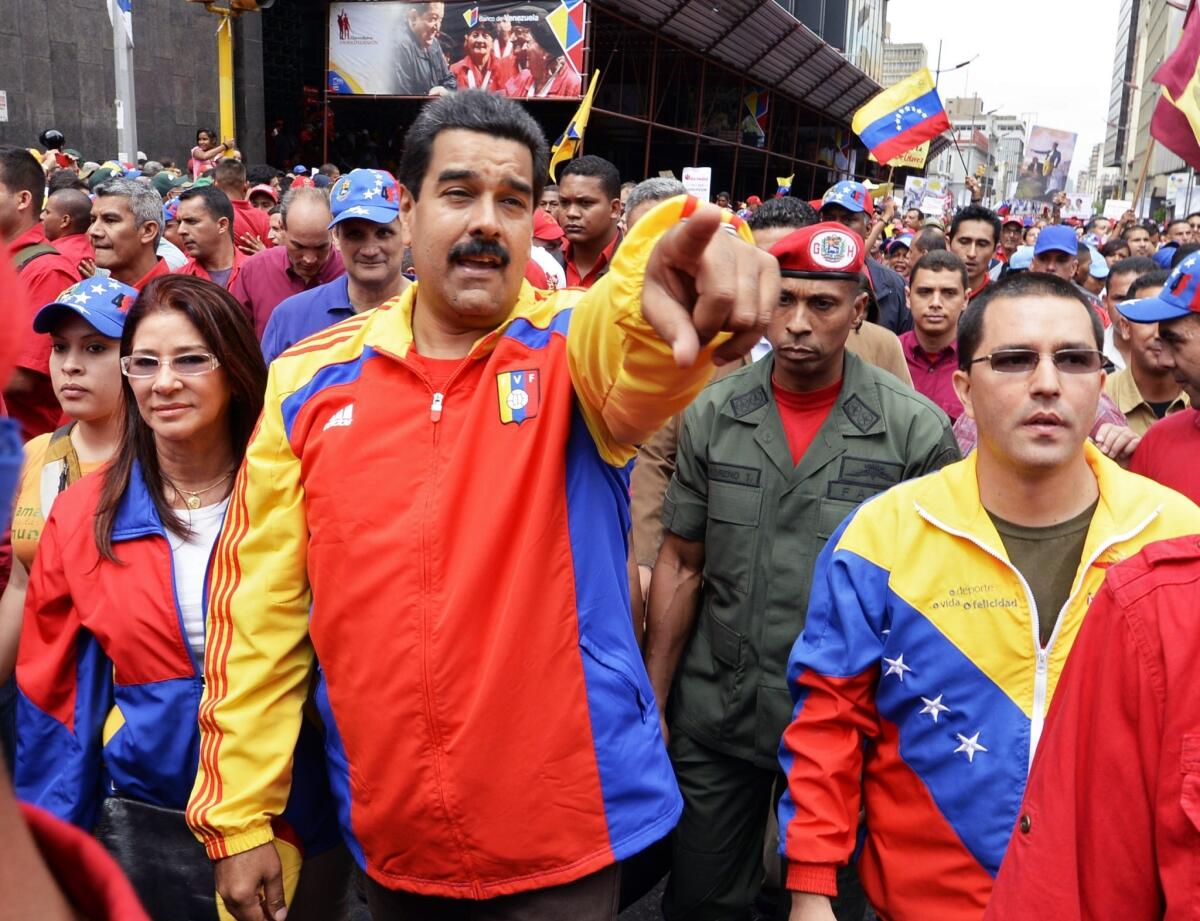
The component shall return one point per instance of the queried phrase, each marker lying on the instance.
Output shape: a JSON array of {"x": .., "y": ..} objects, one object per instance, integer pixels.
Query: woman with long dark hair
[
  {"x": 204, "y": 155},
  {"x": 111, "y": 657}
]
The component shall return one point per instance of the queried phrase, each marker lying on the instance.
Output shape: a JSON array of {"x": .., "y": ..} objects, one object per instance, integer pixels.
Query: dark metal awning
[{"x": 760, "y": 39}]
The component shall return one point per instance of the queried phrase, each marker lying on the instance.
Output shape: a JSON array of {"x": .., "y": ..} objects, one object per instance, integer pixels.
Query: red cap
[
  {"x": 265, "y": 190},
  {"x": 754, "y": 200},
  {"x": 825, "y": 250},
  {"x": 1012, "y": 219},
  {"x": 545, "y": 227}
]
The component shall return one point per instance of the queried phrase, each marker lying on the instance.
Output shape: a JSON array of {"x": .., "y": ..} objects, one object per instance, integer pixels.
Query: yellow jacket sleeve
[
  {"x": 257, "y": 657},
  {"x": 624, "y": 375}
]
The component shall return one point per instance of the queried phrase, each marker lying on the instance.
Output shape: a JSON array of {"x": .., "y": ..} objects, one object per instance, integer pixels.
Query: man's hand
[
  {"x": 1117, "y": 442},
  {"x": 807, "y": 906},
  {"x": 251, "y": 884},
  {"x": 250, "y": 244},
  {"x": 975, "y": 188},
  {"x": 700, "y": 281}
]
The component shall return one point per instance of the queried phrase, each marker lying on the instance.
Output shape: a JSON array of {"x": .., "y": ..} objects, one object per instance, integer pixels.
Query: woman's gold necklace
[{"x": 190, "y": 497}]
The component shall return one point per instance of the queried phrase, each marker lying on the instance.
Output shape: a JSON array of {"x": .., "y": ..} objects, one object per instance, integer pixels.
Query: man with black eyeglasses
[{"x": 942, "y": 613}]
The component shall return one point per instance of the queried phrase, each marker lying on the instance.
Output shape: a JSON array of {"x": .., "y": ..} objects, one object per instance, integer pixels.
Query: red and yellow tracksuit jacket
[
  {"x": 453, "y": 563},
  {"x": 108, "y": 687},
  {"x": 921, "y": 687}
]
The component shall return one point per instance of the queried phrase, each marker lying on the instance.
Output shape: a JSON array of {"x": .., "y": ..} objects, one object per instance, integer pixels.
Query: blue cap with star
[
  {"x": 102, "y": 301},
  {"x": 1180, "y": 297},
  {"x": 366, "y": 194},
  {"x": 853, "y": 196}
]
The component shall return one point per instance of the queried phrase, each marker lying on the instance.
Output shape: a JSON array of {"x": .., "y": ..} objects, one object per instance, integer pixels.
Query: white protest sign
[
  {"x": 1115, "y": 207},
  {"x": 698, "y": 181}
]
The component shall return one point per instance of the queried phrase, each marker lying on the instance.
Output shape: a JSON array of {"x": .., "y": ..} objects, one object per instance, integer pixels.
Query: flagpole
[{"x": 1137, "y": 195}]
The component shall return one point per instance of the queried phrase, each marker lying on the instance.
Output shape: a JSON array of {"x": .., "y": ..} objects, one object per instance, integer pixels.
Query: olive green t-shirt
[{"x": 1048, "y": 558}]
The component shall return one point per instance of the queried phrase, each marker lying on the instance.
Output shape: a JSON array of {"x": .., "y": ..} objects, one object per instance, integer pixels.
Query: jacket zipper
[{"x": 1041, "y": 673}]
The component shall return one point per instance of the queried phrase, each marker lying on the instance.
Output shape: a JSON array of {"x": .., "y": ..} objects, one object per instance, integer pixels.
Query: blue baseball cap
[
  {"x": 367, "y": 194},
  {"x": 102, "y": 301},
  {"x": 1057, "y": 238},
  {"x": 1022, "y": 259},
  {"x": 1099, "y": 265},
  {"x": 853, "y": 196},
  {"x": 299, "y": 169},
  {"x": 1179, "y": 297},
  {"x": 1162, "y": 258},
  {"x": 901, "y": 239}
]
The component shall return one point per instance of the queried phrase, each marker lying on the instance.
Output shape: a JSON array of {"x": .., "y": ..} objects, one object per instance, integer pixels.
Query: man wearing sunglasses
[{"x": 942, "y": 613}]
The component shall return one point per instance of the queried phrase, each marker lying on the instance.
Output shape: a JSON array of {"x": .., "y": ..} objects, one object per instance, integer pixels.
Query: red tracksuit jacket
[{"x": 1110, "y": 826}]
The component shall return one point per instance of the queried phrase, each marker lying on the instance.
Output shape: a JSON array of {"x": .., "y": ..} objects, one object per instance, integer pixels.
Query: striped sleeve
[
  {"x": 833, "y": 671},
  {"x": 257, "y": 655},
  {"x": 625, "y": 375}
]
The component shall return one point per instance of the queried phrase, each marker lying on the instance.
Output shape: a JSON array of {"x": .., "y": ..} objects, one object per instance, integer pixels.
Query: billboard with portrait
[
  {"x": 526, "y": 50},
  {"x": 1046, "y": 163}
]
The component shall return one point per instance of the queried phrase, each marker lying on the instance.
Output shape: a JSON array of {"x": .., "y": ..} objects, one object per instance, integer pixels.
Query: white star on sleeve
[
  {"x": 969, "y": 746},
  {"x": 934, "y": 707},
  {"x": 896, "y": 667}
]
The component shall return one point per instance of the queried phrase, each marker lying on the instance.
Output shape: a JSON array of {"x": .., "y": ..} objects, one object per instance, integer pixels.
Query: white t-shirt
[{"x": 190, "y": 558}]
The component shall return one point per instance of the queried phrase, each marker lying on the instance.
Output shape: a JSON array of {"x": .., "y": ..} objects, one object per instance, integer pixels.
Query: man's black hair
[
  {"x": 597, "y": 168},
  {"x": 1083, "y": 252},
  {"x": 65, "y": 179},
  {"x": 1182, "y": 252},
  {"x": 976, "y": 213},
  {"x": 1114, "y": 246},
  {"x": 940, "y": 260},
  {"x": 21, "y": 172},
  {"x": 1173, "y": 222},
  {"x": 261, "y": 173},
  {"x": 216, "y": 203},
  {"x": 1133, "y": 265},
  {"x": 472, "y": 110},
  {"x": 787, "y": 211},
  {"x": 1155, "y": 279},
  {"x": 930, "y": 240},
  {"x": 1018, "y": 284}
]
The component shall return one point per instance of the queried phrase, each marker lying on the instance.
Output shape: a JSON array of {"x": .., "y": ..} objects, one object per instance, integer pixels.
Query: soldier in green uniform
[{"x": 770, "y": 460}]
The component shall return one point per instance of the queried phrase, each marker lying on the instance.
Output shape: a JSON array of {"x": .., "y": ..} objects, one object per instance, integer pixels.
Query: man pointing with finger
[{"x": 460, "y": 591}]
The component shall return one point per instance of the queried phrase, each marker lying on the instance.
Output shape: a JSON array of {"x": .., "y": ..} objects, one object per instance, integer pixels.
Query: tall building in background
[
  {"x": 1159, "y": 27},
  {"x": 1120, "y": 108},
  {"x": 901, "y": 60},
  {"x": 854, "y": 27}
]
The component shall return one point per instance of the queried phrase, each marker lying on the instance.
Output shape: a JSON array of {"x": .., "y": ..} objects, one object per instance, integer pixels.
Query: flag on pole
[
  {"x": 568, "y": 142},
  {"x": 785, "y": 185},
  {"x": 1176, "y": 120},
  {"x": 901, "y": 117}
]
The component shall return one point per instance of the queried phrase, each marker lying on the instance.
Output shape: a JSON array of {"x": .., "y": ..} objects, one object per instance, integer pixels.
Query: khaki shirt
[
  {"x": 763, "y": 520},
  {"x": 1123, "y": 390},
  {"x": 656, "y": 458}
]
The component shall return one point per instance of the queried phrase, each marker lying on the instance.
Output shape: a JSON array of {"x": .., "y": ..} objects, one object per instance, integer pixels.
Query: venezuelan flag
[
  {"x": 568, "y": 142},
  {"x": 1176, "y": 120},
  {"x": 901, "y": 117}
]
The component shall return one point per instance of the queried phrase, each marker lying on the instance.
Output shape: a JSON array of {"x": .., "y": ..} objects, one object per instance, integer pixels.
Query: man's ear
[
  {"x": 962, "y": 389},
  {"x": 408, "y": 205}
]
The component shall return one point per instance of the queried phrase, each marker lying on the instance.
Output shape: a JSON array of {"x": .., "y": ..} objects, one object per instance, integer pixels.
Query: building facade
[
  {"x": 901, "y": 60},
  {"x": 854, "y": 27},
  {"x": 1120, "y": 109}
]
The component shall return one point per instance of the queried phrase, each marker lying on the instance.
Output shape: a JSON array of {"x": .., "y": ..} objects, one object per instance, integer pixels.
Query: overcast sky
[{"x": 1048, "y": 59}]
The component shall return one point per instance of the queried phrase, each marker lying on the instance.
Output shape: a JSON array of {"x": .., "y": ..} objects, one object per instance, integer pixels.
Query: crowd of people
[{"x": 453, "y": 544}]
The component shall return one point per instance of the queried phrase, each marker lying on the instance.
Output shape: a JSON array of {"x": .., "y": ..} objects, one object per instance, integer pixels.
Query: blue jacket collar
[{"x": 136, "y": 515}]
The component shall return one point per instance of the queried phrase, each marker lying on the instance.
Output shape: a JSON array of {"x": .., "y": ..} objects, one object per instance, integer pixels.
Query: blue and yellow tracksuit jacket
[{"x": 921, "y": 686}]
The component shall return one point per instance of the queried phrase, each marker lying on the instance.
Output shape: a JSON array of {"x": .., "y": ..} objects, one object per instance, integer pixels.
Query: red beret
[{"x": 826, "y": 250}]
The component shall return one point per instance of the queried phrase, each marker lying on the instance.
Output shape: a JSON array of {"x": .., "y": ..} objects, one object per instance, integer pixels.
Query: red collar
[
  {"x": 160, "y": 268},
  {"x": 601, "y": 265}
]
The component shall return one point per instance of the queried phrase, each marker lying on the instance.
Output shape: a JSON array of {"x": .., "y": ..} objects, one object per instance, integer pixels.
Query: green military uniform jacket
[{"x": 763, "y": 520}]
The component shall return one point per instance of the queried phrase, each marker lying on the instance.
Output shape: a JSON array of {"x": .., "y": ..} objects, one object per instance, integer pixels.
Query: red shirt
[
  {"x": 1109, "y": 825},
  {"x": 250, "y": 220},
  {"x": 574, "y": 280},
  {"x": 267, "y": 278},
  {"x": 45, "y": 277},
  {"x": 160, "y": 268},
  {"x": 470, "y": 77},
  {"x": 987, "y": 280},
  {"x": 75, "y": 247},
  {"x": 933, "y": 375},
  {"x": 803, "y": 414},
  {"x": 192, "y": 267},
  {"x": 1167, "y": 453}
]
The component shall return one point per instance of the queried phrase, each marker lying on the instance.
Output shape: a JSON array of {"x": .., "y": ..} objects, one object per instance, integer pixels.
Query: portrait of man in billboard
[{"x": 419, "y": 66}]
